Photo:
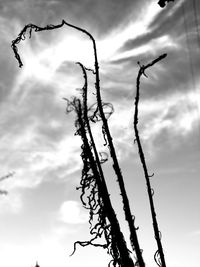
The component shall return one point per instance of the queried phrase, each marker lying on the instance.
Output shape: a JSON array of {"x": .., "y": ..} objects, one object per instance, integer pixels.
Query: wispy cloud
[
  {"x": 178, "y": 113},
  {"x": 176, "y": 116},
  {"x": 32, "y": 166},
  {"x": 39, "y": 142}
]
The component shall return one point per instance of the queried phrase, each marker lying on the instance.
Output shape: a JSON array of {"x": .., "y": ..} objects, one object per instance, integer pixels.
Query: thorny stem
[
  {"x": 124, "y": 254},
  {"x": 124, "y": 259},
  {"x": 118, "y": 241},
  {"x": 106, "y": 132},
  {"x": 159, "y": 252}
]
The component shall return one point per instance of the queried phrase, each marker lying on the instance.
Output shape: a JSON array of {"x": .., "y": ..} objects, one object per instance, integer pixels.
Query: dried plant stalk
[
  {"x": 92, "y": 180},
  {"x": 92, "y": 174},
  {"x": 105, "y": 129},
  {"x": 159, "y": 255},
  {"x": 98, "y": 200}
]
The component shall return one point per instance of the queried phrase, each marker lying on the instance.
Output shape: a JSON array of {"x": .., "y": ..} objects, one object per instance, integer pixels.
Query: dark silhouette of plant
[
  {"x": 98, "y": 115},
  {"x": 159, "y": 255},
  {"x": 109, "y": 141},
  {"x": 94, "y": 193}
]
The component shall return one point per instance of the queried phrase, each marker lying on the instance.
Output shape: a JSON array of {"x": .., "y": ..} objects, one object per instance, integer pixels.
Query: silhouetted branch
[
  {"x": 109, "y": 141},
  {"x": 105, "y": 130},
  {"x": 159, "y": 253},
  {"x": 95, "y": 196},
  {"x": 22, "y": 36}
]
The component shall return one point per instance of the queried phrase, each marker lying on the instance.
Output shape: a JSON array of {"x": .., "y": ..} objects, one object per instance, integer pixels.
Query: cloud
[
  {"x": 177, "y": 113},
  {"x": 39, "y": 143},
  {"x": 37, "y": 136},
  {"x": 104, "y": 15},
  {"x": 40, "y": 140},
  {"x": 71, "y": 212},
  {"x": 114, "y": 46},
  {"x": 32, "y": 166},
  {"x": 163, "y": 121}
]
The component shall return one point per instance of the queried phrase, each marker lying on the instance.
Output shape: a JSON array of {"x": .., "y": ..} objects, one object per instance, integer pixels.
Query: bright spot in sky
[
  {"x": 41, "y": 61},
  {"x": 72, "y": 212}
]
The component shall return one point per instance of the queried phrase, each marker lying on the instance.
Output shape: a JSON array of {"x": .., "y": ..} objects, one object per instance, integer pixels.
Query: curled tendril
[
  {"x": 90, "y": 185},
  {"x": 94, "y": 114},
  {"x": 90, "y": 196},
  {"x": 104, "y": 135},
  {"x": 91, "y": 199},
  {"x": 70, "y": 105},
  {"x": 157, "y": 258}
]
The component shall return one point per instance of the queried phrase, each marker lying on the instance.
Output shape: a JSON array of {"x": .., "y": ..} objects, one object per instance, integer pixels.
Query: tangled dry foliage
[{"x": 94, "y": 192}]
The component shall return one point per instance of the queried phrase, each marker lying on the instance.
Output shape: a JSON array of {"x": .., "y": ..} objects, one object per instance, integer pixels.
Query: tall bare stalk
[
  {"x": 159, "y": 255},
  {"x": 98, "y": 200},
  {"x": 105, "y": 129}
]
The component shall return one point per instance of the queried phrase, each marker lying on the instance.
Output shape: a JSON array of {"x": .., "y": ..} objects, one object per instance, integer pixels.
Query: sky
[{"x": 42, "y": 216}]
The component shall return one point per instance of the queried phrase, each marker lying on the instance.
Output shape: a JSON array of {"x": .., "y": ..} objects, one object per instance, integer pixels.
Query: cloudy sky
[{"x": 42, "y": 215}]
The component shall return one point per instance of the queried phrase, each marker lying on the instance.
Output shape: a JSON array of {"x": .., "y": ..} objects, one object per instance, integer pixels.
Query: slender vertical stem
[
  {"x": 159, "y": 252},
  {"x": 127, "y": 210},
  {"x": 126, "y": 261},
  {"x": 128, "y": 216}
]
